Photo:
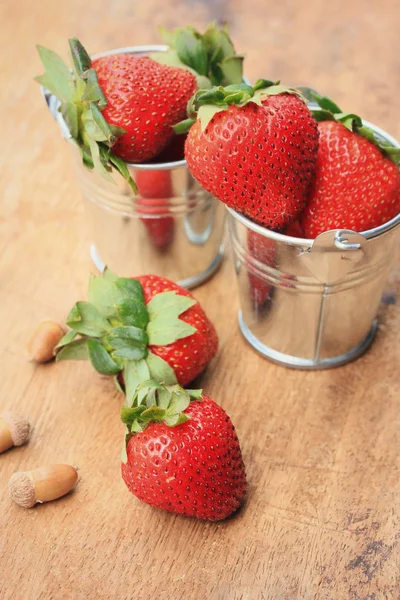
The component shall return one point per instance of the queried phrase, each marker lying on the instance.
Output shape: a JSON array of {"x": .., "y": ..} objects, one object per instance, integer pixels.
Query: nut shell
[
  {"x": 22, "y": 490},
  {"x": 18, "y": 426},
  {"x": 42, "y": 485},
  {"x": 43, "y": 341}
]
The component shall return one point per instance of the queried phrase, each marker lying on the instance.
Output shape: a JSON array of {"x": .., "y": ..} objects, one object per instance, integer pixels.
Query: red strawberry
[
  {"x": 145, "y": 99},
  {"x": 190, "y": 355},
  {"x": 355, "y": 186},
  {"x": 120, "y": 107},
  {"x": 174, "y": 152},
  {"x": 142, "y": 328},
  {"x": 194, "y": 468},
  {"x": 264, "y": 251},
  {"x": 255, "y": 150},
  {"x": 294, "y": 230},
  {"x": 357, "y": 183},
  {"x": 154, "y": 188}
]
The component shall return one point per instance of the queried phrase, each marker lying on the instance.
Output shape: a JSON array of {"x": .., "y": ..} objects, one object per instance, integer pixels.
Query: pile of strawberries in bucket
[{"x": 288, "y": 165}]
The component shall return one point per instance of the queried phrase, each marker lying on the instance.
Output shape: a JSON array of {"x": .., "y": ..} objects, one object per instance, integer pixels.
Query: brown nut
[
  {"x": 14, "y": 430},
  {"x": 42, "y": 485},
  {"x": 43, "y": 341}
]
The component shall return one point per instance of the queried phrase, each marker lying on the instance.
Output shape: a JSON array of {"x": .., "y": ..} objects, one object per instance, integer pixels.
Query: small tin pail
[
  {"x": 311, "y": 304},
  {"x": 172, "y": 227}
]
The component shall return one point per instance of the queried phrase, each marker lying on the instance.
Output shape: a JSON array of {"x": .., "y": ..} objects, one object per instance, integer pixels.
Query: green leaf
[
  {"x": 165, "y": 327},
  {"x": 207, "y": 112},
  {"x": 179, "y": 402},
  {"x": 192, "y": 51},
  {"x": 163, "y": 331},
  {"x": 184, "y": 126},
  {"x": 232, "y": 70},
  {"x": 86, "y": 319},
  {"x": 109, "y": 275},
  {"x": 57, "y": 77},
  {"x": 172, "y": 302},
  {"x": 153, "y": 413},
  {"x": 93, "y": 91},
  {"x": 102, "y": 124},
  {"x": 129, "y": 342},
  {"x": 95, "y": 152},
  {"x": 69, "y": 112},
  {"x": 118, "y": 384},
  {"x": 76, "y": 350},
  {"x": 129, "y": 415},
  {"x": 349, "y": 120},
  {"x": 134, "y": 374},
  {"x": 176, "y": 420},
  {"x": 81, "y": 59},
  {"x": 168, "y": 37},
  {"x": 136, "y": 427},
  {"x": 164, "y": 397},
  {"x": 172, "y": 59},
  {"x": 160, "y": 370},
  {"x": 101, "y": 360},
  {"x": 124, "y": 455},
  {"x": 130, "y": 288},
  {"x": 133, "y": 312},
  {"x": 66, "y": 339},
  {"x": 92, "y": 129},
  {"x": 123, "y": 170},
  {"x": 326, "y": 103},
  {"x": 106, "y": 295},
  {"x": 195, "y": 394}
]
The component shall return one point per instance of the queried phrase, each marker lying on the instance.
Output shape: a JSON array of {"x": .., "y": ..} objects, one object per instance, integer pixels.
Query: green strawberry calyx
[
  {"x": 329, "y": 111},
  {"x": 210, "y": 56},
  {"x": 115, "y": 329},
  {"x": 81, "y": 102},
  {"x": 204, "y": 104},
  {"x": 154, "y": 402}
]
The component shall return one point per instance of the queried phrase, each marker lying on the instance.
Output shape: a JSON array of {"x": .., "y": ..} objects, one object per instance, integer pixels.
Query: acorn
[
  {"x": 42, "y": 485},
  {"x": 44, "y": 340},
  {"x": 14, "y": 430}
]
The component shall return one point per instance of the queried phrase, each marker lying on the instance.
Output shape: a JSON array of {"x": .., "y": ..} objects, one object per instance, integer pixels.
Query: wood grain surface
[{"x": 322, "y": 518}]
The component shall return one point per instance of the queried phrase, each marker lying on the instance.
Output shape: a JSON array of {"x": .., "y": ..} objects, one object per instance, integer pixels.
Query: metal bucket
[
  {"x": 173, "y": 227},
  {"x": 311, "y": 304}
]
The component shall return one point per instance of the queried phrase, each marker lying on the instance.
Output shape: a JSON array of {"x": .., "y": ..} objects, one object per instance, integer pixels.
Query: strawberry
[
  {"x": 119, "y": 108},
  {"x": 255, "y": 149},
  {"x": 155, "y": 190},
  {"x": 145, "y": 99},
  {"x": 357, "y": 183},
  {"x": 136, "y": 329},
  {"x": 294, "y": 230},
  {"x": 181, "y": 453},
  {"x": 262, "y": 253}
]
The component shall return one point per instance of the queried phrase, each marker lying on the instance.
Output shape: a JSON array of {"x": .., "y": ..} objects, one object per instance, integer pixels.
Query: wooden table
[{"x": 322, "y": 517}]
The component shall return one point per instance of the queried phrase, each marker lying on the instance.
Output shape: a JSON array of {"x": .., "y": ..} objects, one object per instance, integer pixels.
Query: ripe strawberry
[
  {"x": 356, "y": 186},
  {"x": 295, "y": 230},
  {"x": 137, "y": 329},
  {"x": 186, "y": 462},
  {"x": 189, "y": 355},
  {"x": 154, "y": 187},
  {"x": 263, "y": 253},
  {"x": 119, "y": 108},
  {"x": 145, "y": 99},
  {"x": 255, "y": 149}
]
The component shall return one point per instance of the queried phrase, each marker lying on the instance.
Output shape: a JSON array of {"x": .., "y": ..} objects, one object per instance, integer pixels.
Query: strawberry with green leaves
[
  {"x": 357, "y": 179},
  {"x": 119, "y": 108},
  {"x": 140, "y": 329},
  {"x": 254, "y": 148},
  {"x": 181, "y": 452}
]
